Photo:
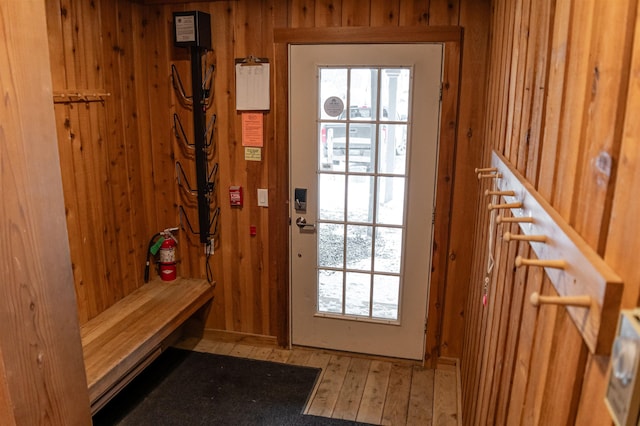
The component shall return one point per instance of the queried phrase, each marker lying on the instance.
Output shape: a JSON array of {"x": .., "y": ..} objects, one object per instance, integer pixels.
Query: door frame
[{"x": 278, "y": 162}]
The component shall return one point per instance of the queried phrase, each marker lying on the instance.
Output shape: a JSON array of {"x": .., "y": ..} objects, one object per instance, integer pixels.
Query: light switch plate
[{"x": 263, "y": 197}]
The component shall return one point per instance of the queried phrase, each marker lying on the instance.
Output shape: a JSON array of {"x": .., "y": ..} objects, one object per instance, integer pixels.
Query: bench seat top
[{"x": 116, "y": 341}]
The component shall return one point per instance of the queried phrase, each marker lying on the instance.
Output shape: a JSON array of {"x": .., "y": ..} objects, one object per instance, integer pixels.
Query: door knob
[{"x": 302, "y": 224}]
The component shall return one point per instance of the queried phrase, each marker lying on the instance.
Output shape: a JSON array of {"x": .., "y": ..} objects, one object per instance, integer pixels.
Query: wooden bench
[{"x": 127, "y": 337}]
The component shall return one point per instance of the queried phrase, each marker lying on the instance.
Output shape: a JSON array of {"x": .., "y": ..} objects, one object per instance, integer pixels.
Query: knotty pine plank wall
[
  {"x": 42, "y": 377},
  {"x": 118, "y": 155},
  {"x": 563, "y": 96}
]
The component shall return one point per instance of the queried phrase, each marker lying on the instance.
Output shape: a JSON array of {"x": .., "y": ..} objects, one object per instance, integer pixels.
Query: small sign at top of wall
[{"x": 192, "y": 29}]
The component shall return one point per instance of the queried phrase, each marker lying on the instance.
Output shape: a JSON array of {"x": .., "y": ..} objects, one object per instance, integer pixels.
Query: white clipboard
[{"x": 252, "y": 84}]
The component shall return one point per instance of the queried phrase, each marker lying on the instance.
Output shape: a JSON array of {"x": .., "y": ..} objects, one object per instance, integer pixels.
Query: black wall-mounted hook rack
[{"x": 193, "y": 31}]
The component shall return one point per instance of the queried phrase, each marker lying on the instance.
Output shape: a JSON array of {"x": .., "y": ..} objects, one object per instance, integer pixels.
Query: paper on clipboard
[{"x": 252, "y": 87}]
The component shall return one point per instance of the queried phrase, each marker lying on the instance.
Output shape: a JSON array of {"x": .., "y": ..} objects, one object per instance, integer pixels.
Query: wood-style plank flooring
[{"x": 355, "y": 387}]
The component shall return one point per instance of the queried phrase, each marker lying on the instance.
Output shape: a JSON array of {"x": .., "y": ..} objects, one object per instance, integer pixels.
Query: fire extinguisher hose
[{"x": 146, "y": 267}]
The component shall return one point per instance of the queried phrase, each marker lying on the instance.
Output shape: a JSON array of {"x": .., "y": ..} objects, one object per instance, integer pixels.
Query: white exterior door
[{"x": 364, "y": 126}]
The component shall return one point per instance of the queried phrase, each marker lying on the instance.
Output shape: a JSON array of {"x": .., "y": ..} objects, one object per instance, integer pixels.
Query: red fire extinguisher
[
  {"x": 163, "y": 247},
  {"x": 167, "y": 258}
]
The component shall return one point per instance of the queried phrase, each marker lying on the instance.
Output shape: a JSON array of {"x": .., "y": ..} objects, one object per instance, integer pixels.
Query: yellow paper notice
[{"x": 252, "y": 154}]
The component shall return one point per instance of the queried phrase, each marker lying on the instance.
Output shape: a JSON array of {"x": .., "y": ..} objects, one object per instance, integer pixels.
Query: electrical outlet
[{"x": 208, "y": 248}]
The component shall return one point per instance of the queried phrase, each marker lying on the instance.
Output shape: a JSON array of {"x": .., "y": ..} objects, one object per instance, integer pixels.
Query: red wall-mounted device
[{"x": 235, "y": 196}]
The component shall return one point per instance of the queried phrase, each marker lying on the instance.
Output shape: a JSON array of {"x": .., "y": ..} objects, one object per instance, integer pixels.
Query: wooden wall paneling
[
  {"x": 604, "y": 114},
  {"x": 514, "y": 377},
  {"x": 621, "y": 239},
  {"x": 303, "y": 13},
  {"x": 571, "y": 120},
  {"x": 539, "y": 360},
  {"x": 145, "y": 36},
  {"x": 516, "y": 79},
  {"x": 6, "y": 406},
  {"x": 508, "y": 310},
  {"x": 356, "y": 13},
  {"x": 279, "y": 190},
  {"x": 484, "y": 327},
  {"x": 131, "y": 229},
  {"x": 276, "y": 282},
  {"x": 226, "y": 273},
  {"x": 106, "y": 254},
  {"x": 248, "y": 41},
  {"x": 328, "y": 13},
  {"x": 444, "y": 183},
  {"x": 414, "y": 12},
  {"x": 527, "y": 329},
  {"x": 506, "y": 63},
  {"x": 468, "y": 156},
  {"x": 504, "y": 393},
  {"x": 536, "y": 126},
  {"x": 40, "y": 339},
  {"x": 475, "y": 310},
  {"x": 385, "y": 13},
  {"x": 474, "y": 313},
  {"x": 488, "y": 312},
  {"x": 494, "y": 339},
  {"x": 261, "y": 247},
  {"x": 78, "y": 131},
  {"x": 116, "y": 251},
  {"x": 555, "y": 97},
  {"x": 444, "y": 12},
  {"x": 564, "y": 373},
  {"x": 225, "y": 307},
  {"x": 526, "y": 44},
  {"x": 58, "y": 75}
]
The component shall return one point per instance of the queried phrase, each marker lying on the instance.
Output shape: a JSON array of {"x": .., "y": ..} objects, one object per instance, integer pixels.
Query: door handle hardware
[{"x": 302, "y": 224}]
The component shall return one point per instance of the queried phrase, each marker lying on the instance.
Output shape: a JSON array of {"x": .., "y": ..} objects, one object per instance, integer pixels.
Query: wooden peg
[
  {"x": 507, "y": 193},
  {"x": 486, "y": 170},
  {"x": 489, "y": 175},
  {"x": 508, "y": 236},
  {"x": 545, "y": 263},
  {"x": 502, "y": 219},
  {"x": 515, "y": 205},
  {"x": 536, "y": 300}
]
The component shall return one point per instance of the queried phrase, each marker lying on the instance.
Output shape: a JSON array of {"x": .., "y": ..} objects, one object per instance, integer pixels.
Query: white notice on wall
[
  {"x": 252, "y": 87},
  {"x": 185, "y": 28}
]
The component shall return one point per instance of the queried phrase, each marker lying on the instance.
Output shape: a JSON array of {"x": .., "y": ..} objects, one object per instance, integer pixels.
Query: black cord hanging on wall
[{"x": 192, "y": 30}]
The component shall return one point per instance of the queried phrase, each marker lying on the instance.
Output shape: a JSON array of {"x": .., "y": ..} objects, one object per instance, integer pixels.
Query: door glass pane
[
  {"x": 388, "y": 250},
  {"x": 360, "y": 199},
  {"x": 386, "y": 290},
  {"x": 358, "y": 294},
  {"x": 394, "y": 94},
  {"x": 329, "y": 152},
  {"x": 390, "y": 200},
  {"x": 359, "y": 247},
  {"x": 333, "y": 88},
  {"x": 393, "y": 146},
  {"x": 331, "y": 239},
  {"x": 330, "y": 295},
  {"x": 363, "y": 94},
  {"x": 361, "y": 177},
  {"x": 331, "y": 196}
]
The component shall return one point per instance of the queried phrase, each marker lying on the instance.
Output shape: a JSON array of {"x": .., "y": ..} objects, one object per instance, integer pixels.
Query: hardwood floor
[{"x": 374, "y": 390}]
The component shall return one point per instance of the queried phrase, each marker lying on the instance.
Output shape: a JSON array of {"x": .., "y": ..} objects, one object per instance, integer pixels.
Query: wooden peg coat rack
[{"x": 574, "y": 268}]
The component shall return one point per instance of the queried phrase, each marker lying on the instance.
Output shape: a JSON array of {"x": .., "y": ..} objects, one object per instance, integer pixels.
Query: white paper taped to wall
[{"x": 252, "y": 87}]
